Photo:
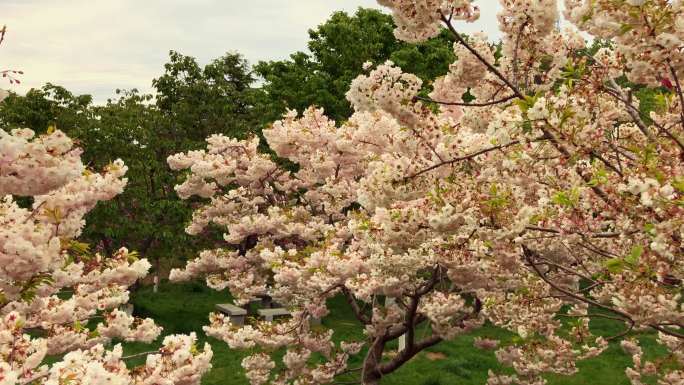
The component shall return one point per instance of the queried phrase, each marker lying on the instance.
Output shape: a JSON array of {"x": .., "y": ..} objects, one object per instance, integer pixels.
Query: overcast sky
[{"x": 96, "y": 46}]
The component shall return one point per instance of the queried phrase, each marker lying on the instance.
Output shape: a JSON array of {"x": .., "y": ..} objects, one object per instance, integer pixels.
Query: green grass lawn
[{"x": 183, "y": 308}]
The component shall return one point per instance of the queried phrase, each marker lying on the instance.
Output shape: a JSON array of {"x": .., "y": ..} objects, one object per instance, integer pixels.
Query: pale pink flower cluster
[
  {"x": 418, "y": 20},
  {"x": 648, "y": 35},
  {"x": 51, "y": 283},
  {"x": 32, "y": 165},
  {"x": 386, "y": 88},
  {"x": 177, "y": 362}
]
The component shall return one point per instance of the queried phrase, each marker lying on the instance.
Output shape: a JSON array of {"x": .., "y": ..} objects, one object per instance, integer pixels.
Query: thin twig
[
  {"x": 141, "y": 354},
  {"x": 472, "y": 155}
]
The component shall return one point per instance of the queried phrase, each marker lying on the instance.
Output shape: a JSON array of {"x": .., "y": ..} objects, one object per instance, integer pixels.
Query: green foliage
[
  {"x": 41, "y": 108},
  {"x": 630, "y": 261},
  {"x": 200, "y": 101},
  {"x": 567, "y": 199},
  {"x": 191, "y": 103},
  {"x": 30, "y": 286},
  {"x": 338, "y": 48}
]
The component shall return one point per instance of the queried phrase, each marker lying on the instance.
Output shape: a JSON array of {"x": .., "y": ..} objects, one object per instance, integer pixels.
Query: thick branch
[
  {"x": 591, "y": 235},
  {"x": 355, "y": 307},
  {"x": 678, "y": 88},
  {"x": 631, "y": 110},
  {"x": 466, "y": 104},
  {"x": 140, "y": 354},
  {"x": 624, "y": 316},
  {"x": 528, "y": 257},
  {"x": 407, "y": 354}
]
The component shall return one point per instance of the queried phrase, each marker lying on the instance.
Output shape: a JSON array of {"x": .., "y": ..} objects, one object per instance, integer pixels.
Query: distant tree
[
  {"x": 191, "y": 103},
  {"x": 339, "y": 47},
  {"x": 147, "y": 216},
  {"x": 202, "y": 101},
  {"x": 51, "y": 105}
]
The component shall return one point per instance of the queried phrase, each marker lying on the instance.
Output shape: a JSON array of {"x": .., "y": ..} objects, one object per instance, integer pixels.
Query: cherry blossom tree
[
  {"x": 58, "y": 298},
  {"x": 544, "y": 194}
]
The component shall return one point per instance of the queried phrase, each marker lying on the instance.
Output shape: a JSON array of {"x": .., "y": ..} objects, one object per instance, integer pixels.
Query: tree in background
[
  {"x": 525, "y": 189},
  {"x": 217, "y": 98},
  {"x": 51, "y": 105},
  {"x": 191, "y": 102},
  {"x": 338, "y": 48},
  {"x": 147, "y": 215}
]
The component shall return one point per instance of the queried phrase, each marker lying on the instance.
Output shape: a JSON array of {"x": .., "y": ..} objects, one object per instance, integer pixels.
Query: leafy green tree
[
  {"x": 46, "y": 106},
  {"x": 338, "y": 48},
  {"x": 147, "y": 216},
  {"x": 191, "y": 103},
  {"x": 202, "y": 101}
]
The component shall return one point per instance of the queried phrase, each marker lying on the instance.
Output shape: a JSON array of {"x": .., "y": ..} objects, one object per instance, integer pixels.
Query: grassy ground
[{"x": 184, "y": 308}]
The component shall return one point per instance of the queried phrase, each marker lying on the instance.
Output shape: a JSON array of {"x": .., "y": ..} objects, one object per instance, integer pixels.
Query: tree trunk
[
  {"x": 370, "y": 374},
  {"x": 157, "y": 266}
]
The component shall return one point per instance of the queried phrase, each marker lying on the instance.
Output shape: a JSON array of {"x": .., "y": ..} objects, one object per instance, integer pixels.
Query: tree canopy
[
  {"x": 338, "y": 49},
  {"x": 190, "y": 103}
]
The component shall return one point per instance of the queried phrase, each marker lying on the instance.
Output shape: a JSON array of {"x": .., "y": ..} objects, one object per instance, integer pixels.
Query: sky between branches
[{"x": 96, "y": 46}]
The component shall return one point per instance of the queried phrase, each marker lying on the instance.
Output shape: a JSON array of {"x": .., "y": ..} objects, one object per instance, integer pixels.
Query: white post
[
  {"x": 156, "y": 284},
  {"x": 127, "y": 308},
  {"x": 389, "y": 301}
]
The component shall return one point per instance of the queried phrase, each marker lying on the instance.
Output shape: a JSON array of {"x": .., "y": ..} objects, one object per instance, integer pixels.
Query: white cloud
[{"x": 96, "y": 46}]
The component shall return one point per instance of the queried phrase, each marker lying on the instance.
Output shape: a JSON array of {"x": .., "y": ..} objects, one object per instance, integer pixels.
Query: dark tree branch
[
  {"x": 471, "y": 156},
  {"x": 466, "y": 104},
  {"x": 678, "y": 88},
  {"x": 360, "y": 315},
  {"x": 407, "y": 354}
]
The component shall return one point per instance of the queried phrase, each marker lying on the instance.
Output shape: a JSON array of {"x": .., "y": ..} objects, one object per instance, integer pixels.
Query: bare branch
[
  {"x": 471, "y": 156},
  {"x": 360, "y": 315},
  {"x": 466, "y": 104}
]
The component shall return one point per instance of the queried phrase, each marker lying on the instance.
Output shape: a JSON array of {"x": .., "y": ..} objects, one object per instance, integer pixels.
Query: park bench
[
  {"x": 235, "y": 314},
  {"x": 268, "y": 314}
]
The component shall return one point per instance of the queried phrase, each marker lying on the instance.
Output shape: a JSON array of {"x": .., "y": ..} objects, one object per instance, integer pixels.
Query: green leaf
[
  {"x": 568, "y": 198},
  {"x": 624, "y": 28},
  {"x": 678, "y": 184},
  {"x": 614, "y": 265},
  {"x": 633, "y": 257},
  {"x": 649, "y": 229}
]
